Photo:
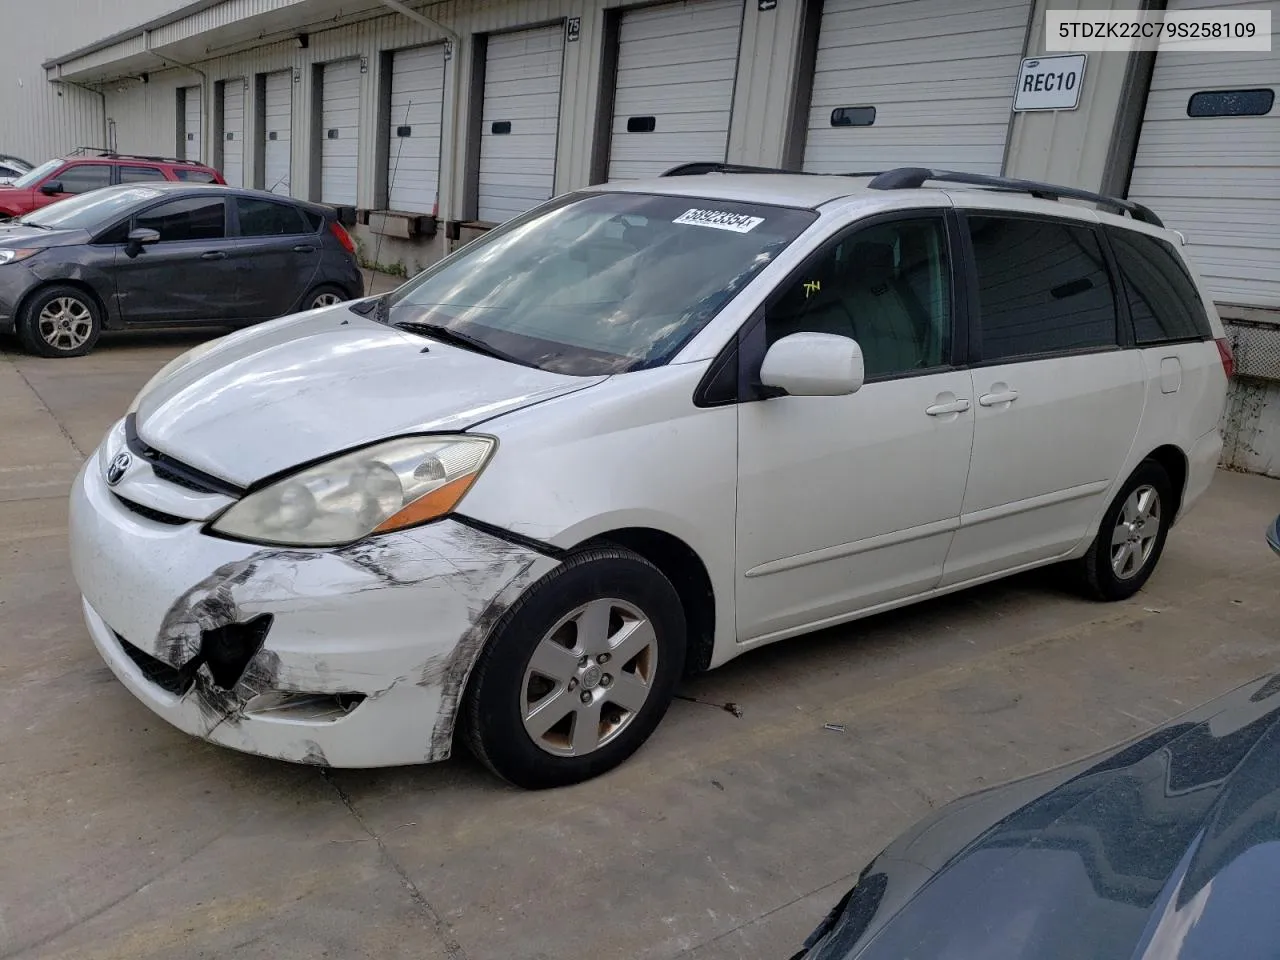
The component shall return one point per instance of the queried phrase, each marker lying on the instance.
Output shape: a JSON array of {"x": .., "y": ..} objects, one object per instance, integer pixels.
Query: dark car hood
[
  {"x": 18, "y": 235},
  {"x": 1167, "y": 847}
]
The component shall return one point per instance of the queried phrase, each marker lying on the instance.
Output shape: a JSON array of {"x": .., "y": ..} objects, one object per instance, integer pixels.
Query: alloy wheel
[
  {"x": 325, "y": 300},
  {"x": 1137, "y": 528},
  {"x": 589, "y": 677},
  {"x": 65, "y": 323}
]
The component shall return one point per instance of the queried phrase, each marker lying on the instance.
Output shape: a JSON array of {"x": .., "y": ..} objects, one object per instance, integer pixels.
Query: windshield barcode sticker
[{"x": 720, "y": 220}]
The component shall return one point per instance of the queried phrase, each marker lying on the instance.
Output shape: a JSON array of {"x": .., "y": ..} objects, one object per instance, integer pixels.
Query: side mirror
[
  {"x": 52, "y": 188},
  {"x": 1273, "y": 536},
  {"x": 139, "y": 238},
  {"x": 814, "y": 365}
]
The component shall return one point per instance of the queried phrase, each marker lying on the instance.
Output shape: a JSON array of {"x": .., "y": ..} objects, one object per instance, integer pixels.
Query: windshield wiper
[{"x": 445, "y": 334}]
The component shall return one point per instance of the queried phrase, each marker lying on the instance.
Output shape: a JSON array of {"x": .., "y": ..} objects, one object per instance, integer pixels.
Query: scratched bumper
[{"x": 397, "y": 620}]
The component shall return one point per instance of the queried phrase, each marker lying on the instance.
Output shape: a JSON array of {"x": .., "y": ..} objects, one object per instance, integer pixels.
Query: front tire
[
  {"x": 60, "y": 321},
  {"x": 578, "y": 672},
  {"x": 1132, "y": 535}
]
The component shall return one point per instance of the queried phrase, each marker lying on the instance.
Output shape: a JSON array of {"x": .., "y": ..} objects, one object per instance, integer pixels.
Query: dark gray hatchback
[{"x": 167, "y": 254}]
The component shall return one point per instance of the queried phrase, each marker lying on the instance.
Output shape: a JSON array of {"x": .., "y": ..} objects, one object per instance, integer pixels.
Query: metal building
[{"x": 432, "y": 123}]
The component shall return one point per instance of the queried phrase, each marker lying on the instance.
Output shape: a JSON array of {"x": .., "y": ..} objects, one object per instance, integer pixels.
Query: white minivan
[{"x": 635, "y": 432}]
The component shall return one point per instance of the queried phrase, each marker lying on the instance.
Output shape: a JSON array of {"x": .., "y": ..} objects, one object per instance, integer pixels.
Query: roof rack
[
  {"x": 707, "y": 166},
  {"x": 113, "y": 155},
  {"x": 910, "y": 178}
]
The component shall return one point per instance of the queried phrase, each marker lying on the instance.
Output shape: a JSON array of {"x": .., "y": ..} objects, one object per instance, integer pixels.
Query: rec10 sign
[{"x": 1050, "y": 83}]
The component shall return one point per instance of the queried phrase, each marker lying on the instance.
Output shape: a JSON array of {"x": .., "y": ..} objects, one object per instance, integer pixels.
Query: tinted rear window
[
  {"x": 1163, "y": 302},
  {"x": 314, "y": 220},
  {"x": 266, "y": 218},
  {"x": 138, "y": 174},
  {"x": 1043, "y": 287}
]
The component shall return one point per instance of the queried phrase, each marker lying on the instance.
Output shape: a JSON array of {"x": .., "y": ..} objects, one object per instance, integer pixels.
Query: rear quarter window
[
  {"x": 194, "y": 176},
  {"x": 1164, "y": 303},
  {"x": 1043, "y": 287}
]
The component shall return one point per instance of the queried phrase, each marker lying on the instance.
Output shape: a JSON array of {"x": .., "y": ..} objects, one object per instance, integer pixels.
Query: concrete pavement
[{"x": 726, "y": 837}]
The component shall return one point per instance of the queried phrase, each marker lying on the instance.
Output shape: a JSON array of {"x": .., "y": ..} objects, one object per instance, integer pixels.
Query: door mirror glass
[
  {"x": 142, "y": 236},
  {"x": 814, "y": 365},
  {"x": 52, "y": 187}
]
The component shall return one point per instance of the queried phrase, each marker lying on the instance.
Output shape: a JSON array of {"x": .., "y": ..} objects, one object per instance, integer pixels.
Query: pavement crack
[
  {"x": 442, "y": 929},
  {"x": 45, "y": 406}
]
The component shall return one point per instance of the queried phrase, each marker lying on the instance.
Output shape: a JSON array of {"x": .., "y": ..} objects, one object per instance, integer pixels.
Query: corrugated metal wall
[
  {"x": 40, "y": 119},
  {"x": 145, "y": 120}
]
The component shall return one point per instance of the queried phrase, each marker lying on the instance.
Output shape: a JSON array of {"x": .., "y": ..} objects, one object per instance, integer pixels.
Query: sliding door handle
[
  {"x": 998, "y": 398},
  {"x": 942, "y": 409}
]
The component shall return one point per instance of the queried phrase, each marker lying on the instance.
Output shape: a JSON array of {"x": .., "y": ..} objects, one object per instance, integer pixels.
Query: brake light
[
  {"x": 344, "y": 238},
  {"x": 1228, "y": 361}
]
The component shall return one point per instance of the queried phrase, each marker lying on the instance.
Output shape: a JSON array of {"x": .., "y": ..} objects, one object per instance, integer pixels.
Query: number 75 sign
[{"x": 1050, "y": 83}]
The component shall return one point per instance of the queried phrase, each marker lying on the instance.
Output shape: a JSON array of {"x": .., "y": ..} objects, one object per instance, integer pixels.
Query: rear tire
[
  {"x": 1131, "y": 537},
  {"x": 60, "y": 321},
  {"x": 325, "y": 295},
  {"x": 578, "y": 672}
]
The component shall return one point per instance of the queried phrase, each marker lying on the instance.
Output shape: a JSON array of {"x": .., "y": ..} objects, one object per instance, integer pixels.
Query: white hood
[{"x": 294, "y": 390}]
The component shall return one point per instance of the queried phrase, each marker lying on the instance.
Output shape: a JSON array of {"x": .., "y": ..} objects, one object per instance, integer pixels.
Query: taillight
[
  {"x": 344, "y": 238},
  {"x": 1228, "y": 361}
]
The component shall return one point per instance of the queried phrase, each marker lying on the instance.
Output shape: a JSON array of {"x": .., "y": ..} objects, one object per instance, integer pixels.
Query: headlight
[
  {"x": 172, "y": 367},
  {"x": 13, "y": 256},
  {"x": 389, "y": 486}
]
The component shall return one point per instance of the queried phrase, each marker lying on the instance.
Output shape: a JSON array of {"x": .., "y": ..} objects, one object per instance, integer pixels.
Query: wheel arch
[
  {"x": 108, "y": 321},
  {"x": 681, "y": 565},
  {"x": 1175, "y": 464}
]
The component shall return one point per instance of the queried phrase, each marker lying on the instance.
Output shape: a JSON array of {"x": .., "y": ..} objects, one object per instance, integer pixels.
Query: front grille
[
  {"x": 157, "y": 515},
  {"x": 165, "y": 677},
  {"x": 166, "y": 472}
]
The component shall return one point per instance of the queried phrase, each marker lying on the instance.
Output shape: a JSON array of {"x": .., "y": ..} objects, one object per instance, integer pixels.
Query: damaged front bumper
[{"x": 350, "y": 657}]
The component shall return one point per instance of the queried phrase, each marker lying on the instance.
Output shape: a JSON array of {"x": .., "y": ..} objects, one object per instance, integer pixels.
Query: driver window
[{"x": 886, "y": 286}]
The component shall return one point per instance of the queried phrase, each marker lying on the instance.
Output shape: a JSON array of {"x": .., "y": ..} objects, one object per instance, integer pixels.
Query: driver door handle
[
  {"x": 942, "y": 409},
  {"x": 993, "y": 399},
  {"x": 213, "y": 255}
]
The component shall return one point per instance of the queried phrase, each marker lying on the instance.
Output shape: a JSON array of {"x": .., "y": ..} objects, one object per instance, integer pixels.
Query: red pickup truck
[{"x": 68, "y": 176}]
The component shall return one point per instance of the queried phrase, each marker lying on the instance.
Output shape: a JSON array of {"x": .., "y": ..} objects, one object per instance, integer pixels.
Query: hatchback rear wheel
[
  {"x": 324, "y": 296},
  {"x": 60, "y": 321}
]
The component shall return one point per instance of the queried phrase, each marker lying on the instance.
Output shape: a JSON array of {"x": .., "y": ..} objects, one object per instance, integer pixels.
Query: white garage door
[
  {"x": 674, "y": 95},
  {"x": 339, "y": 132},
  {"x": 1215, "y": 175},
  {"x": 277, "y": 148},
  {"x": 520, "y": 119},
  {"x": 233, "y": 132},
  {"x": 417, "y": 105},
  {"x": 191, "y": 116},
  {"x": 939, "y": 74}
]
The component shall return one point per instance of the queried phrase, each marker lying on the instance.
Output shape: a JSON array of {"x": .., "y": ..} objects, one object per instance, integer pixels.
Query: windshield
[
  {"x": 88, "y": 211},
  {"x": 600, "y": 283},
  {"x": 38, "y": 174}
]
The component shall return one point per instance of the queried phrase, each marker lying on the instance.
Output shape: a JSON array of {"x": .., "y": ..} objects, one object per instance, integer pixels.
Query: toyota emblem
[{"x": 118, "y": 467}]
